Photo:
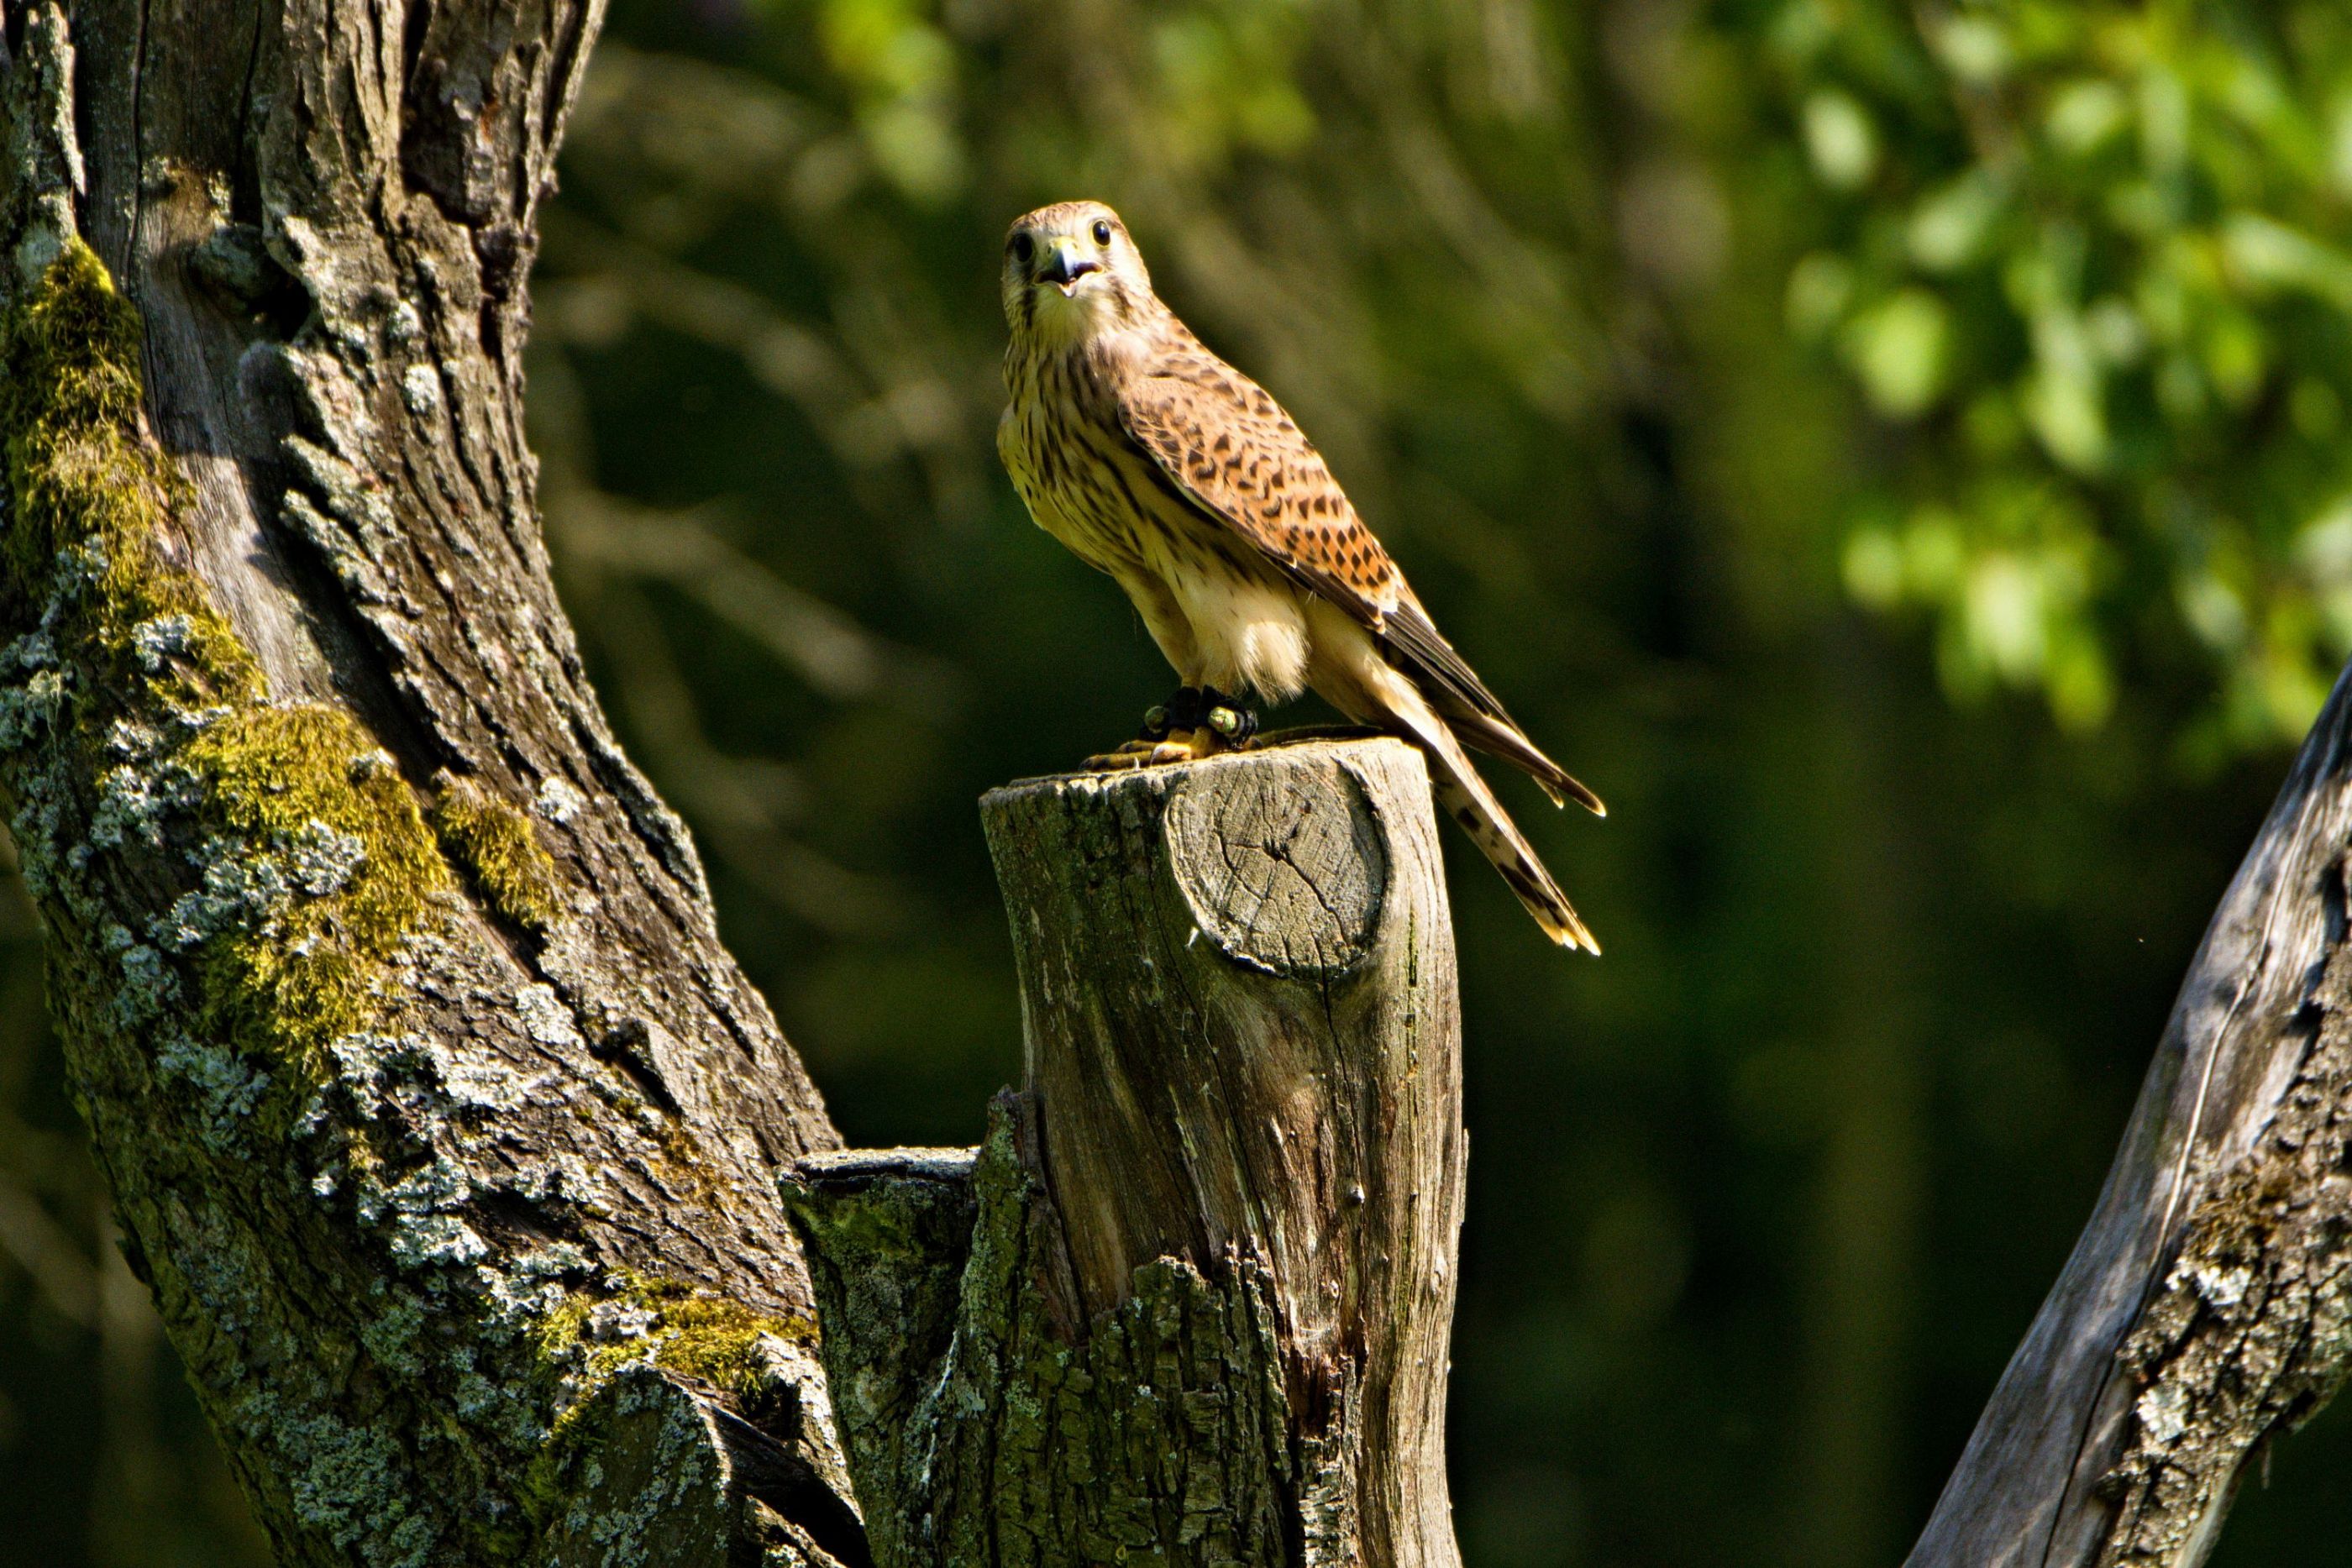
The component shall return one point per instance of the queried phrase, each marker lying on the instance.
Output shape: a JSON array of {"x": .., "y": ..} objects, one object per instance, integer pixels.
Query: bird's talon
[
  {"x": 1177, "y": 746},
  {"x": 1127, "y": 754}
]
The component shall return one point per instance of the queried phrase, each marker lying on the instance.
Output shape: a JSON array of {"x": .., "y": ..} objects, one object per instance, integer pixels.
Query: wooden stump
[{"x": 1203, "y": 1311}]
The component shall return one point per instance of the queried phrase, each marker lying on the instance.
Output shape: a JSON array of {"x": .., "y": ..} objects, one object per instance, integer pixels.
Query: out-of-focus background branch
[{"x": 1897, "y": 452}]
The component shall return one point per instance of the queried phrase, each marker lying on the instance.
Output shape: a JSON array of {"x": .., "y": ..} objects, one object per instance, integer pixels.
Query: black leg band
[
  {"x": 1227, "y": 716},
  {"x": 1188, "y": 710}
]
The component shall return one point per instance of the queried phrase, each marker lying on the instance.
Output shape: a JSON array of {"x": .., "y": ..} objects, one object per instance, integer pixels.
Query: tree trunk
[
  {"x": 2207, "y": 1304},
  {"x": 441, "y": 1126},
  {"x": 437, "y": 1117},
  {"x": 1191, "y": 1303}
]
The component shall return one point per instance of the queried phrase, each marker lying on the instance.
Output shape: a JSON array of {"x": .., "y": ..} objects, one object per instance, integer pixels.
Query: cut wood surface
[
  {"x": 1203, "y": 1295},
  {"x": 2204, "y": 1310}
]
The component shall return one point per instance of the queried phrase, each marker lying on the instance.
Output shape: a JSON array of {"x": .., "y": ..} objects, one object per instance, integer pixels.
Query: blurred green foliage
[
  {"x": 1740, "y": 383},
  {"x": 2088, "y": 261}
]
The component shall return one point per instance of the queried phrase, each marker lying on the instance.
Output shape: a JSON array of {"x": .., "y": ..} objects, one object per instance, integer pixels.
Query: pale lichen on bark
[
  {"x": 255, "y": 1037},
  {"x": 447, "y": 1239},
  {"x": 2251, "y": 1334},
  {"x": 2206, "y": 1311}
]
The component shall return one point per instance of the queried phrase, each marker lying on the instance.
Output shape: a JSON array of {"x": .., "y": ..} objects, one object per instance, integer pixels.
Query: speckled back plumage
[
  {"x": 1225, "y": 440},
  {"x": 1157, "y": 462}
]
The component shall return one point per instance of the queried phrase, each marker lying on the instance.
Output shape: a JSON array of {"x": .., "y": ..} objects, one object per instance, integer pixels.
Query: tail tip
[
  {"x": 1567, "y": 788},
  {"x": 1574, "y": 934},
  {"x": 1562, "y": 789}
]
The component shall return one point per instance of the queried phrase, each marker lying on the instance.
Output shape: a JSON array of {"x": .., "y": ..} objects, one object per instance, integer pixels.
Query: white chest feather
[{"x": 1251, "y": 630}]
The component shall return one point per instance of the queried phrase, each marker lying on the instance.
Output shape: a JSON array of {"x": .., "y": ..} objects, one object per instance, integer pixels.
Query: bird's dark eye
[
  {"x": 1102, "y": 231},
  {"x": 1024, "y": 247}
]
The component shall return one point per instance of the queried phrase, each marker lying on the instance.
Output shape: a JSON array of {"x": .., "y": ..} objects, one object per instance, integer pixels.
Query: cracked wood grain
[{"x": 2205, "y": 1309}]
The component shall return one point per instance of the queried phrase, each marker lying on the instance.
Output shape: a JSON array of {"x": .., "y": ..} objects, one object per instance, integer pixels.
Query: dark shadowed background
[{"x": 1897, "y": 452}]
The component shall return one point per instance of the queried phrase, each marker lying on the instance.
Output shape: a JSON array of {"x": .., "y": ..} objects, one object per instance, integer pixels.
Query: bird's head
[{"x": 1071, "y": 272}]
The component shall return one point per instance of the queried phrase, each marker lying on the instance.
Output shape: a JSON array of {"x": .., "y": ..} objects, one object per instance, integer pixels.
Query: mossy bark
[
  {"x": 991, "y": 1433},
  {"x": 445, "y": 1132},
  {"x": 434, "y": 1112}
]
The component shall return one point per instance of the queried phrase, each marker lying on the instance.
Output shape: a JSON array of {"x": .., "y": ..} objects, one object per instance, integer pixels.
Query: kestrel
[{"x": 1158, "y": 463}]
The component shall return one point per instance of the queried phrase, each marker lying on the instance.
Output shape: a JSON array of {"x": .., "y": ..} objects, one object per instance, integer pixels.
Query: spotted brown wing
[{"x": 1226, "y": 447}]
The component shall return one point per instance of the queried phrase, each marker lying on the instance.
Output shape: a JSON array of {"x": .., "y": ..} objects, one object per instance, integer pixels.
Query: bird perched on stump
[{"x": 1157, "y": 462}]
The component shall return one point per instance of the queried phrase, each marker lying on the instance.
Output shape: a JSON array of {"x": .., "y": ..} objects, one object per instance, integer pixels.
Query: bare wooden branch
[
  {"x": 1203, "y": 1267},
  {"x": 2205, "y": 1308}
]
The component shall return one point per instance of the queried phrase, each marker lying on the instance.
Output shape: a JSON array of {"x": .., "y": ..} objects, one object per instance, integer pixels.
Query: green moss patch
[
  {"x": 644, "y": 1320},
  {"x": 90, "y": 497},
  {"x": 308, "y": 790},
  {"x": 313, "y": 859},
  {"x": 69, "y": 403},
  {"x": 500, "y": 850},
  {"x": 671, "y": 1325},
  {"x": 713, "y": 1339}
]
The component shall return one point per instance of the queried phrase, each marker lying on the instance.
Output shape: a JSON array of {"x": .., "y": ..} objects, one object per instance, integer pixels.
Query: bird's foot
[
  {"x": 1182, "y": 711},
  {"x": 1177, "y": 746},
  {"x": 1201, "y": 707},
  {"x": 1197, "y": 722}
]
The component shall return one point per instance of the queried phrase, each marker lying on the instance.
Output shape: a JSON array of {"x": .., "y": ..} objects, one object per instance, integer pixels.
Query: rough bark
[
  {"x": 437, "y": 1118},
  {"x": 1190, "y": 1302},
  {"x": 2208, "y": 1305}
]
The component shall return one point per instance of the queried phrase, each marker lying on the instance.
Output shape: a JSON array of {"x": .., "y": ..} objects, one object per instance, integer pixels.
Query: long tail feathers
[
  {"x": 1467, "y": 799},
  {"x": 1499, "y": 737},
  {"x": 1500, "y": 841}
]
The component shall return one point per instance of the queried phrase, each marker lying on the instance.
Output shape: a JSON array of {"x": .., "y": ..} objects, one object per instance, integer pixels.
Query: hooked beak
[{"x": 1066, "y": 262}]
